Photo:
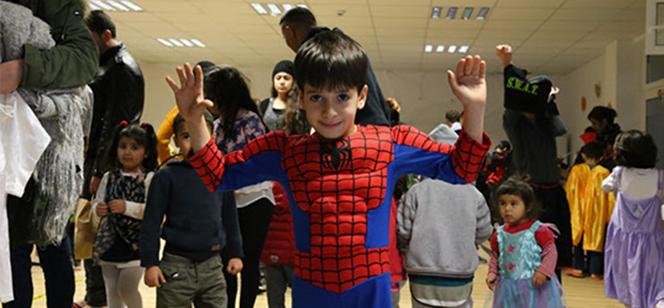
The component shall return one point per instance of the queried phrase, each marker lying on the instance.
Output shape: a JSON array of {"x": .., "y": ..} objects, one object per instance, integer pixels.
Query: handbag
[{"x": 85, "y": 229}]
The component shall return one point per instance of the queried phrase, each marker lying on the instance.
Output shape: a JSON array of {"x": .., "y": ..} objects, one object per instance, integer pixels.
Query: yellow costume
[
  {"x": 575, "y": 188},
  {"x": 590, "y": 207},
  {"x": 164, "y": 135}
]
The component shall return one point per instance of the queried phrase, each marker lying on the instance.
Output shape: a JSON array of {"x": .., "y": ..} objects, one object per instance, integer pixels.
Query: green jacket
[{"x": 74, "y": 60}]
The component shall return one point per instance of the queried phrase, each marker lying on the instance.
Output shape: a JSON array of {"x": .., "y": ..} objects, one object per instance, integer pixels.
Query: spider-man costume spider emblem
[
  {"x": 335, "y": 155},
  {"x": 340, "y": 198}
]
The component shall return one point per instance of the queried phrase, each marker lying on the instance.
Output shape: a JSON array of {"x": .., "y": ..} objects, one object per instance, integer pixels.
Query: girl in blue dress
[{"x": 523, "y": 259}]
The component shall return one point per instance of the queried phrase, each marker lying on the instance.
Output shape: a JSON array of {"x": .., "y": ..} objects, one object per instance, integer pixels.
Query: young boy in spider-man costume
[{"x": 340, "y": 179}]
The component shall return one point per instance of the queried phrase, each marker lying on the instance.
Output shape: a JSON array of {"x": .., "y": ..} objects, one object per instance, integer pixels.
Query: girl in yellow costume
[{"x": 590, "y": 210}]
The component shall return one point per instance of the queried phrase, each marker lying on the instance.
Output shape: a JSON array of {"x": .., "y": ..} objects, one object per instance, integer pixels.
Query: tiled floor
[{"x": 580, "y": 293}]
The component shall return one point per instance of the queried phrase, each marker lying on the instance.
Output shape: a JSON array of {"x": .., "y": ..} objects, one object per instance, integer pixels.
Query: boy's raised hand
[
  {"x": 469, "y": 83},
  {"x": 189, "y": 95},
  {"x": 469, "y": 86}
]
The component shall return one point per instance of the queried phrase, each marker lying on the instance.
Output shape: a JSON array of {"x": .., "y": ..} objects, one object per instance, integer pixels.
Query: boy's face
[
  {"x": 182, "y": 140},
  {"x": 332, "y": 112}
]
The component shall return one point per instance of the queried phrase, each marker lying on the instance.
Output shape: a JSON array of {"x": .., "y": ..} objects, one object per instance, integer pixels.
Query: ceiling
[{"x": 549, "y": 36}]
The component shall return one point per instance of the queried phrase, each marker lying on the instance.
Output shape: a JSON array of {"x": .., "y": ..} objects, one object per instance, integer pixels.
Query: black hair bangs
[{"x": 333, "y": 61}]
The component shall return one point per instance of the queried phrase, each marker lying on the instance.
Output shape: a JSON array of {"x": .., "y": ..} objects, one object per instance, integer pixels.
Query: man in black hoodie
[{"x": 299, "y": 25}]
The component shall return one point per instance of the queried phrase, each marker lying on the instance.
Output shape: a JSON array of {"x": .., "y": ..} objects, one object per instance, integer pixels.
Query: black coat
[{"x": 119, "y": 95}]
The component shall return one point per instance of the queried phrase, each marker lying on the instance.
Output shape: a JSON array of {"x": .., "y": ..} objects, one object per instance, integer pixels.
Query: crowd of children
[{"x": 293, "y": 183}]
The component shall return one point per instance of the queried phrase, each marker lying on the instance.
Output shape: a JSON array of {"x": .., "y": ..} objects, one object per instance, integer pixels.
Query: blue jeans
[{"x": 58, "y": 275}]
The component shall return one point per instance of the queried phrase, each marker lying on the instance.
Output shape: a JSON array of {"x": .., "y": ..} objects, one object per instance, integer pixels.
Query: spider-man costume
[{"x": 340, "y": 193}]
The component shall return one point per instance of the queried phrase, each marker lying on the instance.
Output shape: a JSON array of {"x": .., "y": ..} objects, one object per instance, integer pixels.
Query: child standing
[
  {"x": 238, "y": 124},
  {"x": 521, "y": 270},
  {"x": 590, "y": 210},
  {"x": 279, "y": 249},
  {"x": 439, "y": 226},
  {"x": 120, "y": 202},
  {"x": 199, "y": 224},
  {"x": 339, "y": 180},
  {"x": 634, "y": 241}
]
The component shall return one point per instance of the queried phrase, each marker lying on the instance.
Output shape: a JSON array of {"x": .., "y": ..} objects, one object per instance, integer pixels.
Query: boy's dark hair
[
  {"x": 227, "y": 88},
  {"x": 179, "y": 119},
  {"x": 298, "y": 17},
  {"x": 453, "y": 116},
  {"x": 635, "y": 149},
  {"x": 98, "y": 22},
  {"x": 603, "y": 113},
  {"x": 593, "y": 150},
  {"x": 331, "y": 60},
  {"x": 144, "y": 136},
  {"x": 504, "y": 145},
  {"x": 519, "y": 187}
]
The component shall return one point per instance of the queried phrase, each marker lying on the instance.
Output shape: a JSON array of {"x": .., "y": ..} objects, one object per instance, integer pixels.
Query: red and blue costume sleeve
[{"x": 340, "y": 193}]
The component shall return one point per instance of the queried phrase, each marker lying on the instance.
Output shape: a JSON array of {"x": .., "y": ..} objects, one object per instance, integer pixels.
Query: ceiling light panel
[
  {"x": 132, "y": 6},
  {"x": 187, "y": 43},
  {"x": 176, "y": 42},
  {"x": 275, "y": 9},
  {"x": 173, "y": 42},
  {"x": 481, "y": 15},
  {"x": 451, "y": 12},
  {"x": 118, "y": 5},
  {"x": 165, "y": 42},
  {"x": 102, "y": 5},
  {"x": 450, "y": 49},
  {"x": 259, "y": 8},
  {"x": 197, "y": 43},
  {"x": 114, "y": 5},
  {"x": 466, "y": 13},
  {"x": 435, "y": 12}
]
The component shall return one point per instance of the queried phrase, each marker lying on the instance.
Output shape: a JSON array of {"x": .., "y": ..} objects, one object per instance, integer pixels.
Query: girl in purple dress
[{"x": 634, "y": 251}]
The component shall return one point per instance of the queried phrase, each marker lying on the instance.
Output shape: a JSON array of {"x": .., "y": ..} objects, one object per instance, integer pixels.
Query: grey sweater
[
  {"x": 438, "y": 226},
  {"x": 65, "y": 114}
]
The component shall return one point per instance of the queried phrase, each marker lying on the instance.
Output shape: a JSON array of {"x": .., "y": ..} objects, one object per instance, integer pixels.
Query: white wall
[{"x": 621, "y": 74}]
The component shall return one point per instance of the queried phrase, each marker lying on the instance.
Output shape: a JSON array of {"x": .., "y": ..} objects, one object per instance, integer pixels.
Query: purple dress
[{"x": 634, "y": 252}]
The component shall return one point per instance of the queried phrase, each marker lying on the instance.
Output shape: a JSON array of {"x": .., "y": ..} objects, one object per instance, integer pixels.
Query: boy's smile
[{"x": 332, "y": 112}]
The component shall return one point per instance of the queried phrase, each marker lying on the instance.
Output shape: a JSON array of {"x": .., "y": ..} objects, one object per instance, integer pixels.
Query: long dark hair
[
  {"x": 227, "y": 88},
  {"x": 635, "y": 149},
  {"x": 144, "y": 136},
  {"x": 295, "y": 118}
]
